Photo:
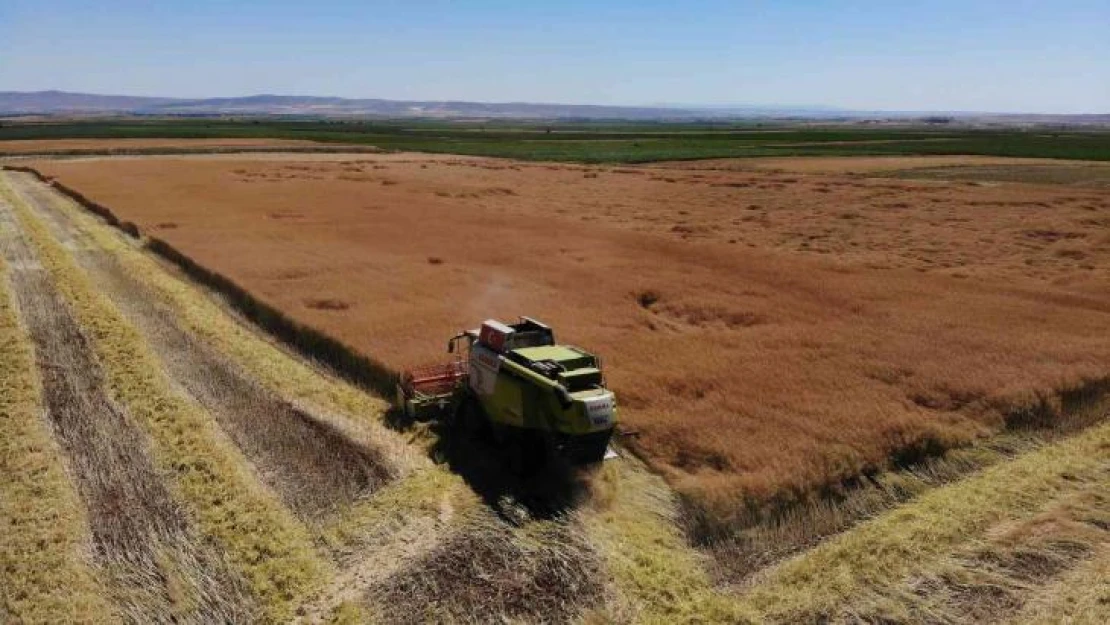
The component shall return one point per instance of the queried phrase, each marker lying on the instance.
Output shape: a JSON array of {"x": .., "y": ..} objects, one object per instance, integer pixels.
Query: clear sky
[{"x": 975, "y": 55}]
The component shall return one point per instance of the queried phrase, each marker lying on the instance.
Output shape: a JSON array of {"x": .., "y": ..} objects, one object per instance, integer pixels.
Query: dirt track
[{"x": 144, "y": 545}]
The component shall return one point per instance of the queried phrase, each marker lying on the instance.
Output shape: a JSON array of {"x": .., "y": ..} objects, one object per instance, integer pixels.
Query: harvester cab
[{"x": 517, "y": 383}]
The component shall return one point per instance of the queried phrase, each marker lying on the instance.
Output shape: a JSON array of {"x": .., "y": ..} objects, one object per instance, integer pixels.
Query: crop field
[
  {"x": 769, "y": 333},
  {"x": 850, "y": 389}
]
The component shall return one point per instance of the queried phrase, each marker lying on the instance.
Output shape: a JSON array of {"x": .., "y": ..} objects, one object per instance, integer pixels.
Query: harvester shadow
[
  {"x": 396, "y": 419},
  {"x": 551, "y": 491}
]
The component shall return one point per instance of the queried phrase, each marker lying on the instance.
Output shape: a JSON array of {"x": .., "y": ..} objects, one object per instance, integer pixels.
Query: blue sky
[{"x": 1014, "y": 55}]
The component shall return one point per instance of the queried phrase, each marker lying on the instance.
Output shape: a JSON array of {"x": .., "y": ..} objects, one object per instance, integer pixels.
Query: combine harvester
[{"x": 512, "y": 384}]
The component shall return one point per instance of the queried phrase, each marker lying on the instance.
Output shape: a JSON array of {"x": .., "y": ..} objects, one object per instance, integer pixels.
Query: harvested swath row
[
  {"x": 314, "y": 467},
  {"x": 968, "y": 531},
  {"x": 1078, "y": 596},
  {"x": 379, "y": 536},
  {"x": 633, "y": 520},
  {"x": 991, "y": 580},
  {"x": 311, "y": 465},
  {"x": 156, "y": 567},
  {"x": 44, "y": 574},
  {"x": 380, "y": 554},
  {"x": 486, "y": 570},
  {"x": 743, "y": 550},
  {"x": 262, "y": 540}
]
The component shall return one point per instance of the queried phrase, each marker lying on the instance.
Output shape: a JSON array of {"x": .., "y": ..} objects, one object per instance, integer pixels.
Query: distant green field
[{"x": 595, "y": 142}]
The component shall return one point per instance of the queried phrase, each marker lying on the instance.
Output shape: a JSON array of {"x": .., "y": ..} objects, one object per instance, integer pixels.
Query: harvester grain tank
[{"x": 516, "y": 383}]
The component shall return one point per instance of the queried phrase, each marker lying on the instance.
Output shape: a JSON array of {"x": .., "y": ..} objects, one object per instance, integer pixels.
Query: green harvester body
[{"x": 525, "y": 387}]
